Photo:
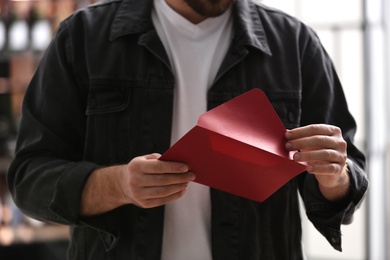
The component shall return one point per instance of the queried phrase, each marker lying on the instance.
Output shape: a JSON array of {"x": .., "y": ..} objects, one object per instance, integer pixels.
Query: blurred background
[
  {"x": 356, "y": 34},
  {"x": 26, "y": 28}
]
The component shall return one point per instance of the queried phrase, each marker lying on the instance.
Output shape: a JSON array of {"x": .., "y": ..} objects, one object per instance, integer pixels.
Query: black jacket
[{"x": 102, "y": 95}]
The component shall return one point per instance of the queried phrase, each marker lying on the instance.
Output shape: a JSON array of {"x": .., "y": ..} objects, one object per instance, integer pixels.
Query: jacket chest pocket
[
  {"x": 108, "y": 123},
  {"x": 288, "y": 107}
]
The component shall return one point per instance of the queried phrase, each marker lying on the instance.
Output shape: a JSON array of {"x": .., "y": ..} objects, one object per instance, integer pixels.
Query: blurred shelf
[{"x": 24, "y": 234}]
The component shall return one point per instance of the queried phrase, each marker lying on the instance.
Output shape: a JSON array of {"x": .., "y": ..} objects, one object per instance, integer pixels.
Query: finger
[
  {"x": 158, "y": 167},
  {"x": 165, "y": 191},
  {"x": 310, "y": 130},
  {"x": 318, "y": 142},
  {"x": 151, "y": 165},
  {"x": 157, "y": 180},
  {"x": 141, "y": 194},
  {"x": 325, "y": 156},
  {"x": 153, "y": 156},
  {"x": 324, "y": 169},
  {"x": 155, "y": 202}
]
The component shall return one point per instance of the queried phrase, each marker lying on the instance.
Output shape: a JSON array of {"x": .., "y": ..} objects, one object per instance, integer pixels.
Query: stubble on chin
[{"x": 209, "y": 8}]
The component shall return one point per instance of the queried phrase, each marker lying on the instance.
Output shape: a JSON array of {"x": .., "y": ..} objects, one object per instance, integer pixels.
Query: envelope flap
[{"x": 249, "y": 118}]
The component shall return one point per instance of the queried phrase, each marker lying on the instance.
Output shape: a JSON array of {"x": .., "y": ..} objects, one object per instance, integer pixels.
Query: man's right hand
[
  {"x": 149, "y": 182},
  {"x": 145, "y": 182}
]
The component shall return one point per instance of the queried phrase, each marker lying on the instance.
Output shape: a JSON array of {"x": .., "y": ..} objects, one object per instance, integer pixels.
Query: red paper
[{"x": 238, "y": 147}]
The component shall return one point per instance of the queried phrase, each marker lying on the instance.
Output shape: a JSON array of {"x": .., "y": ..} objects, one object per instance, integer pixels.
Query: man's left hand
[{"x": 324, "y": 150}]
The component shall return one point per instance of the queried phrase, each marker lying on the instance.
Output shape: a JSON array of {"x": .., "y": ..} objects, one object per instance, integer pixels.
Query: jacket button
[
  {"x": 109, "y": 240},
  {"x": 291, "y": 117}
]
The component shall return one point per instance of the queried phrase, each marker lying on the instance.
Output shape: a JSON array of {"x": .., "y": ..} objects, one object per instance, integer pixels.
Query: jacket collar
[
  {"x": 248, "y": 26},
  {"x": 134, "y": 16}
]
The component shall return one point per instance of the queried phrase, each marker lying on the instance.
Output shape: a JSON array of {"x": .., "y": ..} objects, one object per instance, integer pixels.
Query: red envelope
[{"x": 238, "y": 147}]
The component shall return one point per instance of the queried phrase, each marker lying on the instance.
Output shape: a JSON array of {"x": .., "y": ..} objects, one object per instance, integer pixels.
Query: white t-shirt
[{"x": 196, "y": 52}]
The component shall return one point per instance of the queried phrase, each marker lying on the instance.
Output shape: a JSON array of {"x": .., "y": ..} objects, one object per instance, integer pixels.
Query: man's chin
[{"x": 209, "y": 8}]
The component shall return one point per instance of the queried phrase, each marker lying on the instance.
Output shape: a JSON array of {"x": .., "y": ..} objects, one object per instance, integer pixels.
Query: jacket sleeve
[
  {"x": 323, "y": 101},
  {"x": 47, "y": 174}
]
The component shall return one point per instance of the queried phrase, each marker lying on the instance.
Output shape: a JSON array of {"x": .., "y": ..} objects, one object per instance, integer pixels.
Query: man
[{"x": 123, "y": 80}]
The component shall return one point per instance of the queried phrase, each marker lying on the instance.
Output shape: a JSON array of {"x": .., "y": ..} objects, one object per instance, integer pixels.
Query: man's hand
[
  {"x": 145, "y": 182},
  {"x": 148, "y": 182},
  {"x": 325, "y": 151}
]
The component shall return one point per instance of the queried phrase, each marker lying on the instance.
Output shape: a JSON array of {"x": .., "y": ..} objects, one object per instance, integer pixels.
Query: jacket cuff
[
  {"x": 327, "y": 216},
  {"x": 66, "y": 200}
]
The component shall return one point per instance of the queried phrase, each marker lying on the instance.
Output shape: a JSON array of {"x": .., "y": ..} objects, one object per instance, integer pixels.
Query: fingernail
[
  {"x": 288, "y": 135},
  {"x": 289, "y": 146},
  {"x": 192, "y": 176},
  {"x": 184, "y": 168},
  {"x": 297, "y": 156},
  {"x": 309, "y": 168}
]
